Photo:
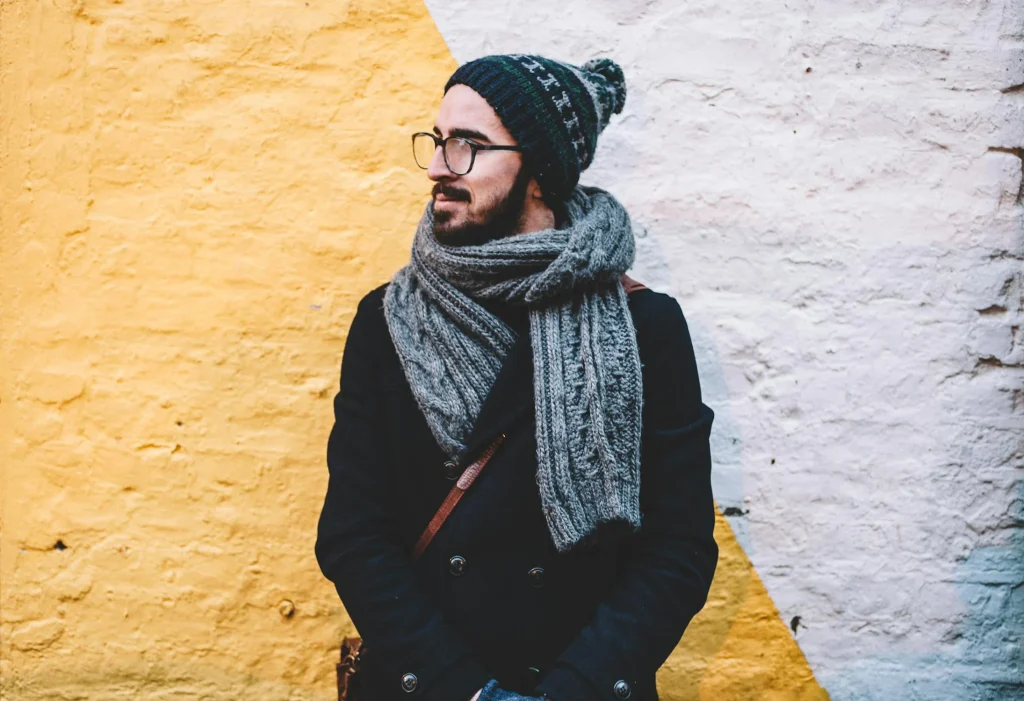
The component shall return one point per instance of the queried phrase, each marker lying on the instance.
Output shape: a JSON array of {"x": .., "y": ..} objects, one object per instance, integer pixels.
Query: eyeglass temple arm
[{"x": 484, "y": 147}]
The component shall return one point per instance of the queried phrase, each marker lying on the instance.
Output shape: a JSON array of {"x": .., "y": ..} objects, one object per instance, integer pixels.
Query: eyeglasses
[{"x": 459, "y": 153}]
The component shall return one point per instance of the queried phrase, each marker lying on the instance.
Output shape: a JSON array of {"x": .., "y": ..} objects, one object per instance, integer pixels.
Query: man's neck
[{"x": 537, "y": 218}]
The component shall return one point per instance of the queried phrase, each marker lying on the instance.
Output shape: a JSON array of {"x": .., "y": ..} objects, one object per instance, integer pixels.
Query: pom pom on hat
[{"x": 611, "y": 72}]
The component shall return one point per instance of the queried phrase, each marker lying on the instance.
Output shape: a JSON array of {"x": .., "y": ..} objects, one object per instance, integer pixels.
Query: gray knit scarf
[{"x": 587, "y": 384}]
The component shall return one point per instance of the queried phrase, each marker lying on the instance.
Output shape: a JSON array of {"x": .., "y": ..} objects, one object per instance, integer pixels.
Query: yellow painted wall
[{"x": 194, "y": 198}]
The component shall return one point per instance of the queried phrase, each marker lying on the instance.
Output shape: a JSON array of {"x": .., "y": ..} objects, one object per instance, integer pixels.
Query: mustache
[{"x": 452, "y": 193}]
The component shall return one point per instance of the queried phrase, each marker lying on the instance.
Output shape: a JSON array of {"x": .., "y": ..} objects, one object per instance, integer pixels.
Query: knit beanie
[{"x": 553, "y": 110}]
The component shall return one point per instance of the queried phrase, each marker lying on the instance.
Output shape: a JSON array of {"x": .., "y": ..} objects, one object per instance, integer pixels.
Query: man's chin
[
  {"x": 454, "y": 227},
  {"x": 452, "y": 230}
]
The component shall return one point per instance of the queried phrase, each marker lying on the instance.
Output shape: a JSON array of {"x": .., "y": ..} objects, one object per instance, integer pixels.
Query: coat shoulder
[
  {"x": 655, "y": 314},
  {"x": 374, "y": 299},
  {"x": 371, "y": 306},
  {"x": 672, "y": 396},
  {"x": 369, "y": 328}
]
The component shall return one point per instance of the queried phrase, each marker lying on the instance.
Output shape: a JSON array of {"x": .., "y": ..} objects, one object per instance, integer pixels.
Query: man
[{"x": 583, "y": 549}]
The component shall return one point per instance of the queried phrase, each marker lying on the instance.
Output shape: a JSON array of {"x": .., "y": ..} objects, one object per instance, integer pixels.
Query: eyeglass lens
[{"x": 459, "y": 153}]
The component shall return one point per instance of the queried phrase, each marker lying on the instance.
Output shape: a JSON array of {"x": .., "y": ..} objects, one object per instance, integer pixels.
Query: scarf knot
[{"x": 587, "y": 381}]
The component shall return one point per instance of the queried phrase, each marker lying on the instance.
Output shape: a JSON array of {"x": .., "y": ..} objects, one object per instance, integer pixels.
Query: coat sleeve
[
  {"x": 670, "y": 562},
  {"x": 359, "y": 549}
]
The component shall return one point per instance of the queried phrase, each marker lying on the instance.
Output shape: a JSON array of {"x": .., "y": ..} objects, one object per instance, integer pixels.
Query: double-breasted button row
[
  {"x": 457, "y": 566},
  {"x": 622, "y": 690},
  {"x": 409, "y": 682}
]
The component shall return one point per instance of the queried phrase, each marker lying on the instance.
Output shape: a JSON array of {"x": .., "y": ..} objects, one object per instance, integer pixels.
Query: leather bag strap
[
  {"x": 448, "y": 505},
  {"x": 631, "y": 285},
  {"x": 473, "y": 471}
]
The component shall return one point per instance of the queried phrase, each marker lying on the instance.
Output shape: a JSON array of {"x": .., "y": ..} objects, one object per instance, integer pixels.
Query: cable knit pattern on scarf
[{"x": 587, "y": 383}]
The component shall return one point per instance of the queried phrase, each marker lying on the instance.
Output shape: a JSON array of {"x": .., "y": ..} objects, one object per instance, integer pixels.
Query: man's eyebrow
[{"x": 465, "y": 133}]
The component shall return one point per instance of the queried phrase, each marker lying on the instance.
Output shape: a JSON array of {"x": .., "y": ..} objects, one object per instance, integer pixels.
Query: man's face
[{"x": 487, "y": 202}]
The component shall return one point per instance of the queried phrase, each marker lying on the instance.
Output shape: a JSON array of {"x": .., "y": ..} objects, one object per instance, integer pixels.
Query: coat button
[
  {"x": 409, "y": 682},
  {"x": 451, "y": 470},
  {"x": 536, "y": 576},
  {"x": 457, "y": 565},
  {"x": 622, "y": 690}
]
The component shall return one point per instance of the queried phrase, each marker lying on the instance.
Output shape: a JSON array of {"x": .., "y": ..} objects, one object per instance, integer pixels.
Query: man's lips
[
  {"x": 445, "y": 203},
  {"x": 452, "y": 196}
]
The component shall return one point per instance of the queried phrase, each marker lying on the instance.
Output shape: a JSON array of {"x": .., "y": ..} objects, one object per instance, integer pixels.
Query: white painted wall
[{"x": 821, "y": 187}]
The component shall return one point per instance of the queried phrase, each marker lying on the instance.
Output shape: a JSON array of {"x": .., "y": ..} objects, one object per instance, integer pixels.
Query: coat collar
[{"x": 509, "y": 398}]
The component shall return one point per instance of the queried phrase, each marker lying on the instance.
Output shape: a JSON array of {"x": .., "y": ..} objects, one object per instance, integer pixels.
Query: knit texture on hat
[
  {"x": 554, "y": 110},
  {"x": 586, "y": 367}
]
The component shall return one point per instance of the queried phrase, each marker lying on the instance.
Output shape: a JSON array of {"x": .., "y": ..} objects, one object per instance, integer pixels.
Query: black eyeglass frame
[{"x": 443, "y": 143}]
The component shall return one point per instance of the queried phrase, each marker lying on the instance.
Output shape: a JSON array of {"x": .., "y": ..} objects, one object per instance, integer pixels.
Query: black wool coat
[{"x": 491, "y": 596}]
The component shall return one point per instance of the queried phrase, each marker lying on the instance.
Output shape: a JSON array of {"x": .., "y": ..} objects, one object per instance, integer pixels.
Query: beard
[{"x": 500, "y": 218}]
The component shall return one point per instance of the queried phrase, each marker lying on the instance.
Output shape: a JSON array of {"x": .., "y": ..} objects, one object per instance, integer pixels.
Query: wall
[{"x": 196, "y": 196}]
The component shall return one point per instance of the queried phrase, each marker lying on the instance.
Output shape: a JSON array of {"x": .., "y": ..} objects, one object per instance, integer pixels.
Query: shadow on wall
[{"x": 737, "y": 647}]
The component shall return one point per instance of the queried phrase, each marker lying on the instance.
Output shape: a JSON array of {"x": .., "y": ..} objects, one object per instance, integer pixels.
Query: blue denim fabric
[{"x": 493, "y": 692}]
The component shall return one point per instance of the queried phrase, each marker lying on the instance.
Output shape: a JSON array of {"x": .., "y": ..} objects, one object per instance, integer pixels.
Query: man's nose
[{"x": 438, "y": 169}]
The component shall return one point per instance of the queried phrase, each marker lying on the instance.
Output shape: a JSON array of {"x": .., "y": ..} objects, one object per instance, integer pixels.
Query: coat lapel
[{"x": 510, "y": 397}]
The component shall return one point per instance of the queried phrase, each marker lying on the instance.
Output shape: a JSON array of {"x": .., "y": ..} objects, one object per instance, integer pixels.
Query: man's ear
[{"x": 533, "y": 190}]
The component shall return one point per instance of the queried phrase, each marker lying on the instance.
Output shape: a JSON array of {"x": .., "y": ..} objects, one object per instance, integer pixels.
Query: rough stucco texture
[
  {"x": 194, "y": 197},
  {"x": 833, "y": 192}
]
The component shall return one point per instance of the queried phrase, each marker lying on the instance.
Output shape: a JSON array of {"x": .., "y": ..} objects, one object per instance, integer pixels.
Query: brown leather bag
[{"x": 352, "y": 647}]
